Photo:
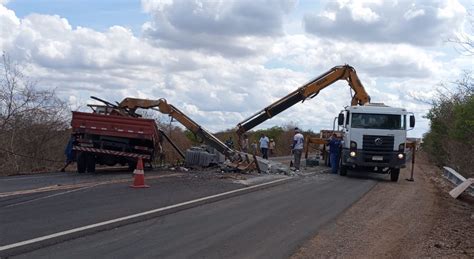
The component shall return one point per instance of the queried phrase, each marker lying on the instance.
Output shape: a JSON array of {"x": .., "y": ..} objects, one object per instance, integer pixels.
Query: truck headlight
[
  {"x": 352, "y": 153},
  {"x": 400, "y": 156}
]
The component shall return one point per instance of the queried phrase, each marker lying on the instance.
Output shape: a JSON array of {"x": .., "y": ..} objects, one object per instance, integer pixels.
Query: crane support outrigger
[{"x": 309, "y": 90}]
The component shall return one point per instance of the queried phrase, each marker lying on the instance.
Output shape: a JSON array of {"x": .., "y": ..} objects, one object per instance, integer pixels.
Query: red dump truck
[{"x": 107, "y": 138}]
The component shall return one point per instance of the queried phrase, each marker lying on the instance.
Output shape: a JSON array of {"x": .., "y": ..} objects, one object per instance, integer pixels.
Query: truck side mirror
[
  {"x": 340, "y": 119},
  {"x": 412, "y": 121}
]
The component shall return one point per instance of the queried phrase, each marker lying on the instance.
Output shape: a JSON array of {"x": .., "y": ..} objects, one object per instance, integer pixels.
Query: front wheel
[
  {"x": 132, "y": 165},
  {"x": 394, "y": 173},
  {"x": 90, "y": 162},
  {"x": 81, "y": 162}
]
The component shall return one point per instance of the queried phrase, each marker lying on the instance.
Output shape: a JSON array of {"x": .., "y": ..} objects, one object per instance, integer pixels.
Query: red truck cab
[{"x": 105, "y": 137}]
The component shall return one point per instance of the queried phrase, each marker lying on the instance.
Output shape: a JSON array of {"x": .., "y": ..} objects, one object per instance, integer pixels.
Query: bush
[
  {"x": 33, "y": 123},
  {"x": 450, "y": 140}
]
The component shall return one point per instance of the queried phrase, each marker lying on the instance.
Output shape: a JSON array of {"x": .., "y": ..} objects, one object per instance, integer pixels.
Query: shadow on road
[{"x": 369, "y": 175}]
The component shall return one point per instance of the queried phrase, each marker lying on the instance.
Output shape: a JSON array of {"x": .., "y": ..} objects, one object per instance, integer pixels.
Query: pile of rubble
[{"x": 205, "y": 156}]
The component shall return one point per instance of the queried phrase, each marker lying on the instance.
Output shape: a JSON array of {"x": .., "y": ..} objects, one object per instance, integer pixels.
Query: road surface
[{"x": 269, "y": 223}]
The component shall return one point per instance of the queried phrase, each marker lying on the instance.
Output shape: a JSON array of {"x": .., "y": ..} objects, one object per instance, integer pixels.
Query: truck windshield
[{"x": 377, "y": 121}]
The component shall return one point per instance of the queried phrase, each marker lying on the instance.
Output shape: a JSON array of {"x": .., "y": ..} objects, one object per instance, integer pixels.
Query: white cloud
[
  {"x": 155, "y": 5},
  {"x": 413, "y": 22},
  {"x": 411, "y": 14},
  {"x": 200, "y": 75},
  {"x": 359, "y": 12},
  {"x": 378, "y": 60},
  {"x": 9, "y": 22},
  {"x": 228, "y": 27}
]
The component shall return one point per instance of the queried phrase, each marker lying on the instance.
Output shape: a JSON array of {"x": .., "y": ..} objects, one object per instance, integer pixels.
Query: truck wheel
[
  {"x": 132, "y": 165},
  {"x": 81, "y": 162},
  {"x": 394, "y": 173},
  {"x": 90, "y": 162},
  {"x": 343, "y": 170}
]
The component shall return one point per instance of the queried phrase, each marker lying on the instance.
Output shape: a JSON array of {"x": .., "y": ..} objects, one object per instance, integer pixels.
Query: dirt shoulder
[{"x": 407, "y": 219}]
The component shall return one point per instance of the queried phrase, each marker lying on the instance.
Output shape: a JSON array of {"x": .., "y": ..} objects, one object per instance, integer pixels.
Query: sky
[{"x": 221, "y": 61}]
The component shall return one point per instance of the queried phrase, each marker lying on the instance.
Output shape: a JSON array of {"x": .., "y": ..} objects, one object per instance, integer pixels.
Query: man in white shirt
[
  {"x": 297, "y": 148},
  {"x": 264, "y": 145}
]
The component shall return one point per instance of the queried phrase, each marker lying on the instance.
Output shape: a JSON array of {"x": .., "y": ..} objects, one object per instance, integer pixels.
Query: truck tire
[
  {"x": 90, "y": 163},
  {"x": 81, "y": 162},
  {"x": 132, "y": 165},
  {"x": 343, "y": 170},
  {"x": 394, "y": 173}
]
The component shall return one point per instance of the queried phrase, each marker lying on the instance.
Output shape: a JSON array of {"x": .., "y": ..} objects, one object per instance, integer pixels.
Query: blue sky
[
  {"x": 98, "y": 15},
  {"x": 221, "y": 61}
]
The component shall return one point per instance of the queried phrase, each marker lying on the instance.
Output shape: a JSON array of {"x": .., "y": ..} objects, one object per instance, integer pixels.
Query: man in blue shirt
[
  {"x": 69, "y": 152},
  {"x": 334, "y": 151}
]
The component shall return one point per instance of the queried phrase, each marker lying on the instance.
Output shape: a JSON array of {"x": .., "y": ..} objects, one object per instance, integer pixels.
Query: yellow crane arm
[
  {"x": 162, "y": 106},
  {"x": 309, "y": 90}
]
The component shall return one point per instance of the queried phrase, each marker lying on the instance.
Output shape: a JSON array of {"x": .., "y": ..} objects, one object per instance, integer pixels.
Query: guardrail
[{"x": 456, "y": 179}]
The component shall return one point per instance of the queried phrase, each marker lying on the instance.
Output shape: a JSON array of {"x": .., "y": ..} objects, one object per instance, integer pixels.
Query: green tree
[{"x": 450, "y": 140}]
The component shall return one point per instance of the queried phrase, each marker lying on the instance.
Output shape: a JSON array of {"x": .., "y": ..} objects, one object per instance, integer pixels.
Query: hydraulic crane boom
[
  {"x": 309, "y": 90},
  {"x": 131, "y": 104}
]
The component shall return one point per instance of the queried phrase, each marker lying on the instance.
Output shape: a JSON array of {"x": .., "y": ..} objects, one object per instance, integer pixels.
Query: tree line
[
  {"x": 450, "y": 139},
  {"x": 33, "y": 122},
  {"x": 35, "y": 126}
]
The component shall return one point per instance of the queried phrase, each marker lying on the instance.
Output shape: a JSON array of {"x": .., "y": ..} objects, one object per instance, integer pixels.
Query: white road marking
[
  {"x": 13, "y": 178},
  {"x": 75, "y": 230},
  {"x": 49, "y": 196}
]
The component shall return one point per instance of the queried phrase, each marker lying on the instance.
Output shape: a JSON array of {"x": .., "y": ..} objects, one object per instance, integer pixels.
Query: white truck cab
[{"x": 374, "y": 138}]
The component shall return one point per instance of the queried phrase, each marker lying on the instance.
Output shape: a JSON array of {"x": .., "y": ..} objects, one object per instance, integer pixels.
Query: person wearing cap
[
  {"x": 271, "y": 147},
  {"x": 297, "y": 148}
]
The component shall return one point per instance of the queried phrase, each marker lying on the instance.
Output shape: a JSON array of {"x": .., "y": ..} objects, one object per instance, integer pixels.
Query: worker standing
[
  {"x": 254, "y": 147},
  {"x": 271, "y": 147},
  {"x": 334, "y": 151},
  {"x": 264, "y": 145},
  {"x": 229, "y": 142},
  {"x": 69, "y": 152},
  {"x": 297, "y": 148},
  {"x": 245, "y": 144}
]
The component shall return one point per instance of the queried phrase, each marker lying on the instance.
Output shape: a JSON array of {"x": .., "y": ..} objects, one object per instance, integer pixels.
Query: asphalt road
[
  {"x": 269, "y": 223},
  {"x": 32, "y": 215}
]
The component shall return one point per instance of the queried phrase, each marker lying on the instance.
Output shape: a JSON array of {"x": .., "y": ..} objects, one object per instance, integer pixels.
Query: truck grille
[
  {"x": 368, "y": 157},
  {"x": 377, "y": 143}
]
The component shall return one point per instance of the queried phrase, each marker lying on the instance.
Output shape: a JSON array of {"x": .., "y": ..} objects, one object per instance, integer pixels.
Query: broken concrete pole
[{"x": 461, "y": 188}]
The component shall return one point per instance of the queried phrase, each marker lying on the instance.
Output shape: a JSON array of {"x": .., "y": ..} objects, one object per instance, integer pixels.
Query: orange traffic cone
[{"x": 139, "y": 179}]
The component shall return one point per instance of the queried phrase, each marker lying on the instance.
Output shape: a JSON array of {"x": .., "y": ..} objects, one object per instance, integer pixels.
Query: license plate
[{"x": 377, "y": 158}]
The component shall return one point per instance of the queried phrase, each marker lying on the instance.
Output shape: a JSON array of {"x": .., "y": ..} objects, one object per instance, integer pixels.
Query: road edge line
[{"x": 48, "y": 240}]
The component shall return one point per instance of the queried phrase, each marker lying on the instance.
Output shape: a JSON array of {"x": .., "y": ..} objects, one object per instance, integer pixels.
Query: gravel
[{"x": 404, "y": 219}]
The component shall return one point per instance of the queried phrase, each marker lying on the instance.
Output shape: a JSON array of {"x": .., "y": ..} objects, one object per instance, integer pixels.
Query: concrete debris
[
  {"x": 183, "y": 169},
  {"x": 203, "y": 156},
  {"x": 272, "y": 167},
  {"x": 310, "y": 162}
]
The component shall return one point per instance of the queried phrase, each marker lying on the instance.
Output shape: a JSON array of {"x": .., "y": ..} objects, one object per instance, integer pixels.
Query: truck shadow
[{"x": 368, "y": 175}]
